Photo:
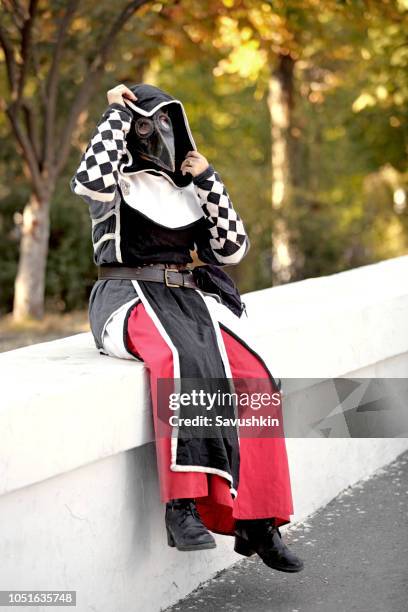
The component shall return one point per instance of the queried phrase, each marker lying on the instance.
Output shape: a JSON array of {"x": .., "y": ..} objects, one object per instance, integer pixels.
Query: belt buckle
[{"x": 166, "y": 280}]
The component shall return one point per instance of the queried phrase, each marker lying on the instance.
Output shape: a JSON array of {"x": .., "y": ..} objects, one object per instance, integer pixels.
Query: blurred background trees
[
  {"x": 51, "y": 70},
  {"x": 300, "y": 105}
]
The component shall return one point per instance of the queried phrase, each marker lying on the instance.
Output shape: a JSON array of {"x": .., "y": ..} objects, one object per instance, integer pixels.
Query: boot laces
[
  {"x": 271, "y": 528},
  {"x": 189, "y": 508}
]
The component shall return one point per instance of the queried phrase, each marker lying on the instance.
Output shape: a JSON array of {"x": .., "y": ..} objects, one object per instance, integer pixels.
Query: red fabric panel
[
  {"x": 264, "y": 481},
  {"x": 144, "y": 339},
  {"x": 264, "y": 488}
]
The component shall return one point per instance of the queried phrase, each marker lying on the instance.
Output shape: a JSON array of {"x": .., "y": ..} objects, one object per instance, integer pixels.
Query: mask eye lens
[
  {"x": 144, "y": 127},
  {"x": 164, "y": 121}
]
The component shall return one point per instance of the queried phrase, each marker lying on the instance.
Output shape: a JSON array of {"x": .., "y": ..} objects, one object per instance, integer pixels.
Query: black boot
[
  {"x": 262, "y": 537},
  {"x": 185, "y": 529}
]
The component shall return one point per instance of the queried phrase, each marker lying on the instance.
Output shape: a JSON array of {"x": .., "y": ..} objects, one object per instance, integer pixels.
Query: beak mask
[
  {"x": 159, "y": 137},
  {"x": 153, "y": 139}
]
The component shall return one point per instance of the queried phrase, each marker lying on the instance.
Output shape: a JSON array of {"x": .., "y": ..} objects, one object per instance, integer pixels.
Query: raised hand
[
  {"x": 118, "y": 93},
  {"x": 194, "y": 163}
]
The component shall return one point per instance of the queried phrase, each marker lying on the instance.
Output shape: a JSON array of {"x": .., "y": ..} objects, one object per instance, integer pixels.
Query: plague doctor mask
[{"x": 153, "y": 139}]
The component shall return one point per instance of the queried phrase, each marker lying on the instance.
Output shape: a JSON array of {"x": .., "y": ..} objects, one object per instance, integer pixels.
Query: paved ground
[{"x": 355, "y": 552}]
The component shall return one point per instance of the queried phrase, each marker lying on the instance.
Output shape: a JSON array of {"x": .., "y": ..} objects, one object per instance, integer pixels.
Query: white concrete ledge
[
  {"x": 78, "y": 486},
  {"x": 64, "y": 405},
  {"x": 329, "y": 326}
]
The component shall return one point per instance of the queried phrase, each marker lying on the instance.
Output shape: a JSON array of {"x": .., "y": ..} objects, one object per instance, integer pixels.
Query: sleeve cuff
[{"x": 203, "y": 175}]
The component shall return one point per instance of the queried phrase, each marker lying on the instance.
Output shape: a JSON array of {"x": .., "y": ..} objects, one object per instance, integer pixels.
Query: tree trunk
[
  {"x": 29, "y": 287},
  {"x": 280, "y": 102}
]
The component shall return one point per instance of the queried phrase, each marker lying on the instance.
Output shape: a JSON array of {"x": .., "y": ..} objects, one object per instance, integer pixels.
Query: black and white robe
[{"x": 142, "y": 216}]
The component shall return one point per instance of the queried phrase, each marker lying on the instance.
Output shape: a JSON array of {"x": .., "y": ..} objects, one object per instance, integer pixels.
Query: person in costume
[{"x": 153, "y": 200}]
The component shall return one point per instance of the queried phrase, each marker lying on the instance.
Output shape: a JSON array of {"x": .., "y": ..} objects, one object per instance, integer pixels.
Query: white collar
[{"x": 161, "y": 200}]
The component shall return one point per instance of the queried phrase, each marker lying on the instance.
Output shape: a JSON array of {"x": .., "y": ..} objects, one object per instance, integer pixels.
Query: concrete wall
[{"x": 79, "y": 505}]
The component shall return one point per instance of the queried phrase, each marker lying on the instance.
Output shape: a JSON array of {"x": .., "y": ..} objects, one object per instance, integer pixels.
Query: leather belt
[{"x": 157, "y": 273}]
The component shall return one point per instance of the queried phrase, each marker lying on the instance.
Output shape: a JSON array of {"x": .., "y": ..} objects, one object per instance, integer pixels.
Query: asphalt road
[{"x": 355, "y": 552}]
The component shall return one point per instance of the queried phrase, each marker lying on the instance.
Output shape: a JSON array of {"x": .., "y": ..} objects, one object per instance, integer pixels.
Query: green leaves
[{"x": 348, "y": 133}]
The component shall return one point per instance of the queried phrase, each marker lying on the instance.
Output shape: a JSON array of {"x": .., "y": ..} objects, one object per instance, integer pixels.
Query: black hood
[{"x": 149, "y": 100}]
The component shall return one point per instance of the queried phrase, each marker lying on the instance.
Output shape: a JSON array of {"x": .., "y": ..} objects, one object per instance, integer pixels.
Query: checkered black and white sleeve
[
  {"x": 97, "y": 174},
  {"x": 225, "y": 241}
]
